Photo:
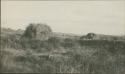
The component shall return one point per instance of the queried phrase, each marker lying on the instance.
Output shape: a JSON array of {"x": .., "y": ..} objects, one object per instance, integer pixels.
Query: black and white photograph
[{"x": 65, "y": 36}]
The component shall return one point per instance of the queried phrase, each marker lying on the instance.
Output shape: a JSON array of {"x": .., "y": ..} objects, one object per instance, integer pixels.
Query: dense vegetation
[{"x": 61, "y": 55}]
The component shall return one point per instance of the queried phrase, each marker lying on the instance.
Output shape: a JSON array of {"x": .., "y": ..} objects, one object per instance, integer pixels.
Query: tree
[
  {"x": 90, "y": 35},
  {"x": 37, "y": 32}
]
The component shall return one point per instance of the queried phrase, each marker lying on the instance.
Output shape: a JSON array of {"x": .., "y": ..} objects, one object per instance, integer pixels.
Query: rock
[{"x": 37, "y": 32}]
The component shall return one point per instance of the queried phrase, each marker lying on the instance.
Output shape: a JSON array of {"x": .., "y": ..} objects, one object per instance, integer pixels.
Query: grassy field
[{"x": 62, "y": 56}]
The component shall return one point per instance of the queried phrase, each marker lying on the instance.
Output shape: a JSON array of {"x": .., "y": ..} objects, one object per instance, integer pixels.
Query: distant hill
[
  {"x": 11, "y": 31},
  {"x": 101, "y": 37},
  {"x": 19, "y": 32},
  {"x": 65, "y": 35}
]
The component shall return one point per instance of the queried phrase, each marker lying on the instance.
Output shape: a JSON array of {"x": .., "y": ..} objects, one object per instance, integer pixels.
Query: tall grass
[{"x": 80, "y": 56}]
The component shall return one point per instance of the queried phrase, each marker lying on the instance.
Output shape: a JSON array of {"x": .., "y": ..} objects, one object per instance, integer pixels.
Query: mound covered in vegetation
[
  {"x": 37, "y": 32},
  {"x": 60, "y": 54}
]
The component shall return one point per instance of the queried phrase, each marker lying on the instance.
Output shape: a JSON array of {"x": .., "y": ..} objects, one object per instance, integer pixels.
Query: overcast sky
[{"x": 78, "y": 17}]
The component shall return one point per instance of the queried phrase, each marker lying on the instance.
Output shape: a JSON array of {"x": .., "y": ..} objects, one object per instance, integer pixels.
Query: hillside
[{"x": 60, "y": 52}]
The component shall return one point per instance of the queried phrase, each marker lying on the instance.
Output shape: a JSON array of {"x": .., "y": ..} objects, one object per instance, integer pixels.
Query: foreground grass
[{"x": 64, "y": 56}]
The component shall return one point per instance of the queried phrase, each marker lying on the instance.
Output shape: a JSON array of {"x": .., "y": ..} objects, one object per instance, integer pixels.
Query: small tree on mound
[{"x": 37, "y": 32}]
